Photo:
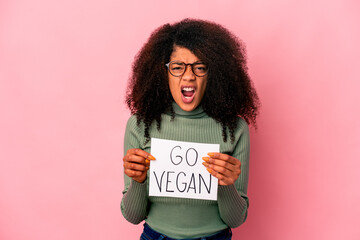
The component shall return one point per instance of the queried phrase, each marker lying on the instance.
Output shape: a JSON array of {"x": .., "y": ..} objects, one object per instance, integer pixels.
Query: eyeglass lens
[{"x": 178, "y": 68}]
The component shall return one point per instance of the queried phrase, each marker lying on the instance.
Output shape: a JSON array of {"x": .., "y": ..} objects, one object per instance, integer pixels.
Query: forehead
[{"x": 183, "y": 54}]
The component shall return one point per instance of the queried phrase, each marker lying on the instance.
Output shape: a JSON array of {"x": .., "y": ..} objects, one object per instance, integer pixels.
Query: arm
[
  {"x": 232, "y": 172},
  {"x": 135, "y": 197}
]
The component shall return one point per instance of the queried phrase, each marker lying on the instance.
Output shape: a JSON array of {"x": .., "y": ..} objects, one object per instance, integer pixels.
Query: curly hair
[{"x": 229, "y": 91}]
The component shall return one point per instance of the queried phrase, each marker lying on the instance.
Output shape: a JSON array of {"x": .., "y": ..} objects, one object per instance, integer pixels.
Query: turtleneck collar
[{"x": 196, "y": 113}]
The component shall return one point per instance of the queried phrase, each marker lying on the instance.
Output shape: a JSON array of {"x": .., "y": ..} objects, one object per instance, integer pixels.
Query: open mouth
[{"x": 188, "y": 94}]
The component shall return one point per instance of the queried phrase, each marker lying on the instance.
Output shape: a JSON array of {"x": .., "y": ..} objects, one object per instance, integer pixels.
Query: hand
[
  {"x": 136, "y": 164},
  {"x": 224, "y": 167}
]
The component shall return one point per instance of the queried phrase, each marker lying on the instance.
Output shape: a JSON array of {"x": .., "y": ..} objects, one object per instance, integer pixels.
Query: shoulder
[
  {"x": 131, "y": 122},
  {"x": 242, "y": 133},
  {"x": 133, "y": 128},
  {"x": 242, "y": 127},
  {"x": 134, "y": 134}
]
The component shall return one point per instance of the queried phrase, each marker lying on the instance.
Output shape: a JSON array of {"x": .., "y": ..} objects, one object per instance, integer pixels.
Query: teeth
[{"x": 188, "y": 89}]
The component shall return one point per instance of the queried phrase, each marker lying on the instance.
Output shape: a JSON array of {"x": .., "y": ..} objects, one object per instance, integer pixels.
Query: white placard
[{"x": 178, "y": 170}]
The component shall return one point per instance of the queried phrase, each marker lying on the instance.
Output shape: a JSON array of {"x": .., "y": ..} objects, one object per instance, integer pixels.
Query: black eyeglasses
[{"x": 177, "y": 68}]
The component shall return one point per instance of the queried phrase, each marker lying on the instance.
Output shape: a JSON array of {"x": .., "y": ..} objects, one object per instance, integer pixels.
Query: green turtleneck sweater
[{"x": 182, "y": 217}]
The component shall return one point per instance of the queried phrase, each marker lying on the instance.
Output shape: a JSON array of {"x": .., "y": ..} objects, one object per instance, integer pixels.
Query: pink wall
[{"x": 63, "y": 72}]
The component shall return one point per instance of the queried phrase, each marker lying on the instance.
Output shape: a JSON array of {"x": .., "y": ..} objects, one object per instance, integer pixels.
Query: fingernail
[
  {"x": 205, "y": 158},
  {"x": 205, "y": 164},
  {"x": 211, "y": 154},
  {"x": 147, "y": 168},
  {"x": 209, "y": 170},
  {"x": 147, "y": 161},
  {"x": 151, "y": 157}
]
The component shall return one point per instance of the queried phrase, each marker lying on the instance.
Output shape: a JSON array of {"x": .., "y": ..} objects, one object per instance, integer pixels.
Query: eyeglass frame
[{"x": 186, "y": 65}]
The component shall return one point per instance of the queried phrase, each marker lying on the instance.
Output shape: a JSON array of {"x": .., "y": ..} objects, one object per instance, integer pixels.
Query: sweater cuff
[
  {"x": 137, "y": 185},
  {"x": 227, "y": 190},
  {"x": 230, "y": 192},
  {"x": 136, "y": 191},
  {"x": 134, "y": 204},
  {"x": 232, "y": 205}
]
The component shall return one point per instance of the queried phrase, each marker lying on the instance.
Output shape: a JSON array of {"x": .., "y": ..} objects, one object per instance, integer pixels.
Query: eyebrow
[{"x": 178, "y": 61}]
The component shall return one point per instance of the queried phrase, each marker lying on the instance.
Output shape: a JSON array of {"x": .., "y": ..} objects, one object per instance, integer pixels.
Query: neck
[{"x": 196, "y": 113}]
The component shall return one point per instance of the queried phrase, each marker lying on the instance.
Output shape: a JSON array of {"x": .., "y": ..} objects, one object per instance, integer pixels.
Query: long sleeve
[
  {"x": 134, "y": 203},
  {"x": 171, "y": 215},
  {"x": 232, "y": 200}
]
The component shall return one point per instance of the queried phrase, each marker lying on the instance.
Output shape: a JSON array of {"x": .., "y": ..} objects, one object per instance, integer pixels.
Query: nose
[{"x": 188, "y": 74}]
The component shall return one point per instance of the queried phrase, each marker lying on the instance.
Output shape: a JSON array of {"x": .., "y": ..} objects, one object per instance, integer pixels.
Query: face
[{"x": 187, "y": 89}]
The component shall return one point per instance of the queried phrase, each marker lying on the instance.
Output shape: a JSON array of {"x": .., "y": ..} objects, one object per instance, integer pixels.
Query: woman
[{"x": 190, "y": 83}]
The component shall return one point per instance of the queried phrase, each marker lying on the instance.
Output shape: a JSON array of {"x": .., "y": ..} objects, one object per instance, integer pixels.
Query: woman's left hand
[{"x": 224, "y": 167}]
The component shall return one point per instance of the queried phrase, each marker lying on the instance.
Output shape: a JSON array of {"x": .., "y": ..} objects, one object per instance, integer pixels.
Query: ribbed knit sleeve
[
  {"x": 171, "y": 216},
  {"x": 232, "y": 200},
  {"x": 135, "y": 198}
]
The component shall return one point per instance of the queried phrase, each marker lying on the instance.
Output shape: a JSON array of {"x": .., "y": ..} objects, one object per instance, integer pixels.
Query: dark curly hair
[{"x": 229, "y": 92}]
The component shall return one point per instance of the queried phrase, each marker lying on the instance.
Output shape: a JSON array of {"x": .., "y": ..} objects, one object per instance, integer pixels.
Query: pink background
[{"x": 63, "y": 72}]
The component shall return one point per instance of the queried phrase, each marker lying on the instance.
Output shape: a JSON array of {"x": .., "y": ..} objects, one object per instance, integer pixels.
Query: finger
[
  {"x": 223, "y": 171},
  {"x": 135, "y": 159},
  {"x": 222, "y": 180},
  {"x": 139, "y": 152},
  {"x": 221, "y": 163},
  {"x": 133, "y": 173},
  {"x": 224, "y": 157},
  {"x": 134, "y": 166}
]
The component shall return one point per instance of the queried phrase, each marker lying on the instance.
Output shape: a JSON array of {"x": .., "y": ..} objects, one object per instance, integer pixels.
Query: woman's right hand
[{"x": 136, "y": 164}]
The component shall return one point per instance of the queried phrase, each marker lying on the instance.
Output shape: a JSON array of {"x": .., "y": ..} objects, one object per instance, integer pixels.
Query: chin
[{"x": 188, "y": 107}]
